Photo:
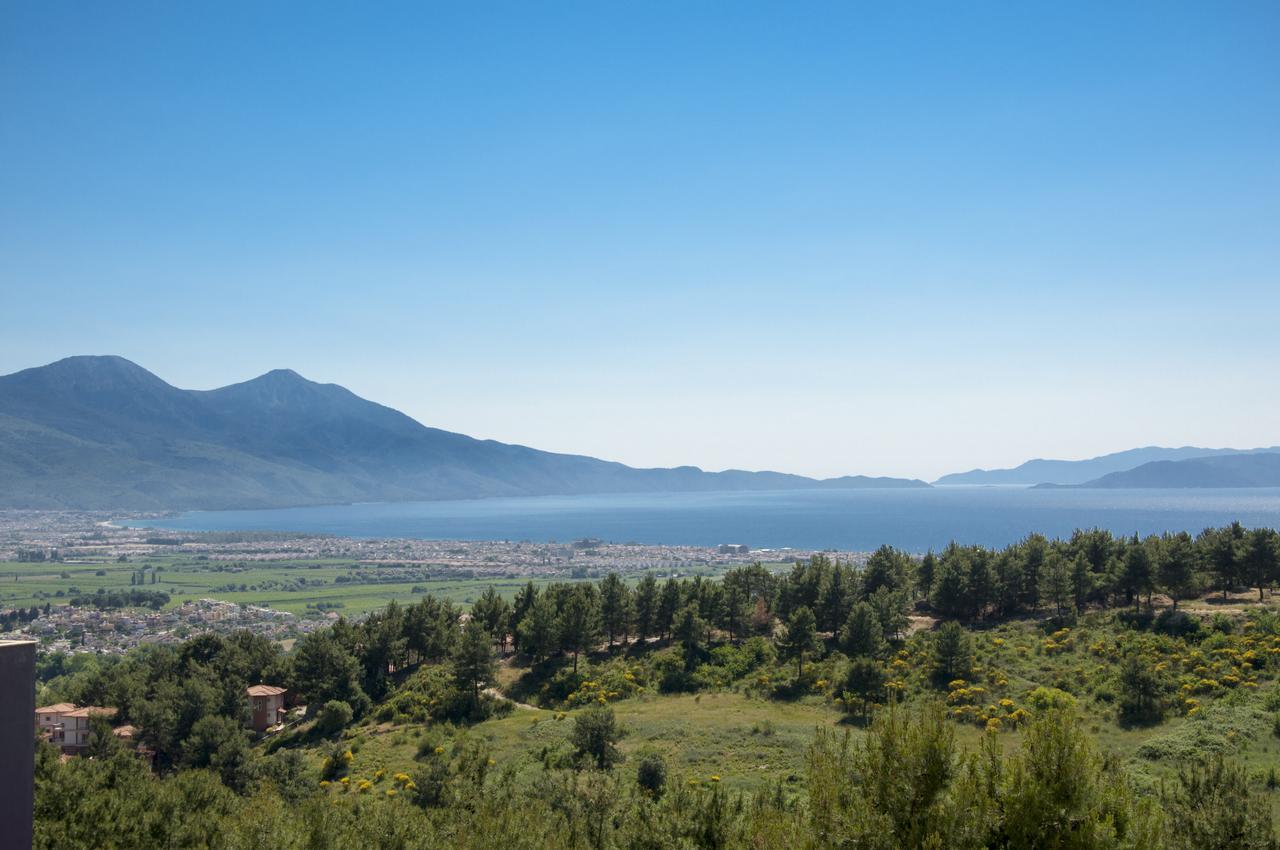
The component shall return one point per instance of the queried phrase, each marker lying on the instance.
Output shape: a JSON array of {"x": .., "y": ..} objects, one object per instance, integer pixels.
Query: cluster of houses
[
  {"x": 66, "y": 628},
  {"x": 68, "y": 726}
]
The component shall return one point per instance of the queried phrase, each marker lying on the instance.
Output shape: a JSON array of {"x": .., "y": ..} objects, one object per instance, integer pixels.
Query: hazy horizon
[{"x": 879, "y": 241}]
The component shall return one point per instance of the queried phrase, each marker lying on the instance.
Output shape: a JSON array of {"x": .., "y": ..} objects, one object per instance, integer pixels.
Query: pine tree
[
  {"x": 473, "y": 666},
  {"x": 579, "y": 622},
  {"x": 925, "y": 573},
  {"x": 833, "y": 600},
  {"x": 668, "y": 604},
  {"x": 688, "y": 631},
  {"x": 865, "y": 680},
  {"x": 952, "y": 653},
  {"x": 862, "y": 634},
  {"x": 1177, "y": 573},
  {"x": 1260, "y": 559},
  {"x": 525, "y": 597},
  {"x": 646, "y": 599},
  {"x": 615, "y": 607},
  {"x": 1055, "y": 583},
  {"x": 538, "y": 635},
  {"x": 801, "y": 637}
]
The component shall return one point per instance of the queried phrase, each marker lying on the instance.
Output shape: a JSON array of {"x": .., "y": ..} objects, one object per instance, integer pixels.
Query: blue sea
[{"x": 847, "y": 520}]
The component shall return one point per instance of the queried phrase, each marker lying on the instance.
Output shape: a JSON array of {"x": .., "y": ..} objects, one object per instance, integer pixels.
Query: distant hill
[
  {"x": 1239, "y": 470},
  {"x": 104, "y": 433},
  {"x": 1079, "y": 471}
]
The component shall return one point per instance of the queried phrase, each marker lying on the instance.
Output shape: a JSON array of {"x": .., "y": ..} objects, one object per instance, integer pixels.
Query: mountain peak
[
  {"x": 87, "y": 373},
  {"x": 282, "y": 375}
]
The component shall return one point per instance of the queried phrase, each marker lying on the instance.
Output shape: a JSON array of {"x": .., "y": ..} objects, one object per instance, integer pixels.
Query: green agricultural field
[{"x": 273, "y": 583}]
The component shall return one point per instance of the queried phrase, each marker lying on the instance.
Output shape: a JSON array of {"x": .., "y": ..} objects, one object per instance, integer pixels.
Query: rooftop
[
  {"x": 92, "y": 711},
  {"x": 264, "y": 690}
]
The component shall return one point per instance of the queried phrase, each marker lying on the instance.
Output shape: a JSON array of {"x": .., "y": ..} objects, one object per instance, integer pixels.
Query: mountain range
[
  {"x": 1092, "y": 470},
  {"x": 104, "y": 433},
  {"x": 1245, "y": 469}
]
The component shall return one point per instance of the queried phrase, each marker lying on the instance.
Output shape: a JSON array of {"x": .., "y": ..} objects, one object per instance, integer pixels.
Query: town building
[
  {"x": 267, "y": 702},
  {"x": 76, "y": 726},
  {"x": 49, "y": 720},
  {"x": 67, "y": 727}
]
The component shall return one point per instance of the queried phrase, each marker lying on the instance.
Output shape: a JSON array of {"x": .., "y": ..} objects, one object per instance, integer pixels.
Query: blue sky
[{"x": 823, "y": 238}]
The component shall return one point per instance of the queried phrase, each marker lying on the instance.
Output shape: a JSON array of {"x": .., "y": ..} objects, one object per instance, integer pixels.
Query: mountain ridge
[
  {"x": 101, "y": 432},
  {"x": 1246, "y": 469},
  {"x": 1066, "y": 472}
]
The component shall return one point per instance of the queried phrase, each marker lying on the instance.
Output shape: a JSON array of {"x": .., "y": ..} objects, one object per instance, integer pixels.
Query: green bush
[
  {"x": 1050, "y": 699},
  {"x": 651, "y": 774},
  {"x": 334, "y": 717}
]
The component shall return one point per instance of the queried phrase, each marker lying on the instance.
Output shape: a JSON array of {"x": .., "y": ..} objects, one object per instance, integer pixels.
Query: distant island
[{"x": 104, "y": 433}]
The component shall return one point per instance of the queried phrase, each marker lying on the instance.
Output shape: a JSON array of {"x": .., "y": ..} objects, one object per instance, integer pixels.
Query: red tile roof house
[
  {"x": 267, "y": 702},
  {"x": 49, "y": 721},
  {"x": 72, "y": 732}
]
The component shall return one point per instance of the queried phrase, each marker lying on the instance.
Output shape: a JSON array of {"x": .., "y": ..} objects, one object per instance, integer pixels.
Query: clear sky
[{"x": 824, "y": 238}]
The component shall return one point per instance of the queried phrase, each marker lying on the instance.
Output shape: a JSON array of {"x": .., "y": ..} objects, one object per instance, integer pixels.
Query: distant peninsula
[
  {"x": 1088, "y": 471},
  {"x": 104, "y": 433},
  {"x": 1259, "y": 469}
]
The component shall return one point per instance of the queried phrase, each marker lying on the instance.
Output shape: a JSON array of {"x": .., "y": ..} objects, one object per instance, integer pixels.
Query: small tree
[
  {"x": 1216, "y": 809},
  {"x": 890, "y": 607},
  {"x": 579, "y": 622},
  {"x": 494, "y": 613},
  {"x": 801, "y": 637},
  {"x": 595, "y": 735},
  {"x": 862, "y": 634},
  {"x": 651, "y": 775},
  {"x": 1177, "y": 575},
  {"x": 473, "y": 660},
  {"x": 617, "y": 609},
  {"x": 668, "y": 604},
  {"x": 1260, "y": 559},
  {"x": 646, "y": 606},
  {"x": 537, "y": 630},
  {"x": 1055, "y": 583},
  {"x": 1137, "y": 575},
  {"x": 1141, "y": 693},
  {"x": 334, "y": 717},
  {"x": 865, "y": 680},
  {"x": 689, "y": 630},
  {"x": 102, "y": 743},
  {"x": 952, "y": 653},
  {"x": 924, "y": 574}
]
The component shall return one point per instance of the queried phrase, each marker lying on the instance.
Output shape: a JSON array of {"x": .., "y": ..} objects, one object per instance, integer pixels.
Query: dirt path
[{"x": 497, "y": 694}]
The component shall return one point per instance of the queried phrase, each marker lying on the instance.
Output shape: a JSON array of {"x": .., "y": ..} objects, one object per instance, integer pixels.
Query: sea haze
[{"x": 850, "y": 520}]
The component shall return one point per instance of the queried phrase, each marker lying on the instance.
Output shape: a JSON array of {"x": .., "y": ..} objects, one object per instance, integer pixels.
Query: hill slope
[
  {"x": 104, "y": 433},
  {"x": 1241, "y": 470},
  {"x": 1040, "y": 471}
]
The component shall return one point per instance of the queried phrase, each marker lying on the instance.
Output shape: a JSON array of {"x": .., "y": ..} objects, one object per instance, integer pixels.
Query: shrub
[
  {"x": 1177, "y": 624},
  {"x": 1050, "y": 699},
  {"x": 334, "y": 717},
  {"x": 595, "y": 735},
  {"x": 1214, "y": 807},
  {"x": 1141, "y": 693},
  {"x": 669, "y": 670},
  {"x": 651, "y": 774},
  {"x": 863, "y": 684},
  {"x": 1222, "y": 624}
]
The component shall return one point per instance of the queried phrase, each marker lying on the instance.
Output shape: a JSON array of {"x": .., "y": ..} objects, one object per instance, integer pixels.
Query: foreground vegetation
[{"x": 1080, "y": 693}]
